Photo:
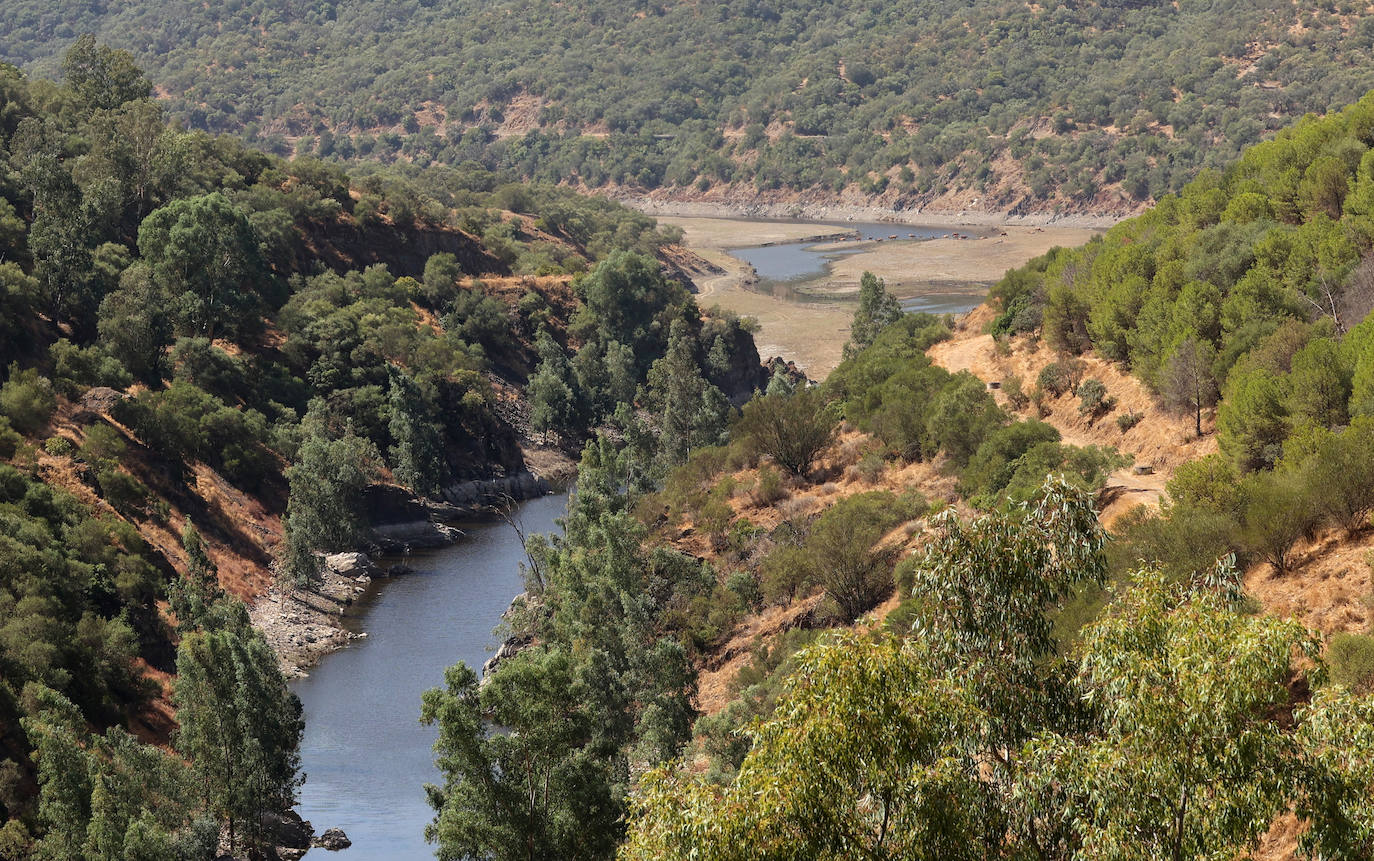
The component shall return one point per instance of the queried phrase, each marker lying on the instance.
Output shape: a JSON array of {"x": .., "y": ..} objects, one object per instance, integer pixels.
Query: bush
[
  {"x": 870, "y": 467},
  {"x": 793, "y": 430},
  {"x": 1128, "y": 420},
  {"x": 1012, "y": 387},
  {"x": 59, "y": 446},
  {"x": 746, "y": 590},
  {"x": 1060, "y": 378},
  {"x": 785, "y": 573},
  {"x": 770, "y": 487},
  {"x": 1351, "y": 659},
  {"x": 1093, "y": 400},
  {"x": 27, "y": 400}
]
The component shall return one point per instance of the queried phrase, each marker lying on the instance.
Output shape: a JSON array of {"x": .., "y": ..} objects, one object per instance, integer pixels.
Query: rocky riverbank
[{"x": 304, "y": 625}]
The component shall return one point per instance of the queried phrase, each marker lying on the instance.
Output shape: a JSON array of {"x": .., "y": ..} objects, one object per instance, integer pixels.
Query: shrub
[
  {"x": 59, "y": 446},
  {"x": 770, "y": 487},
  {"x": 784, "y": 573},
  {"x": 793, "y": 430},
  {"x": 1351, "y": 658},
  {"x": 10, "y": 440},
  {"x": 746, "y": 591},
  {"x": 1012, "y": 387},
  {"x": 870, "y": 467},
  {"x": 1128, "y": 420},
  {"x": 1060, "y": 378},
  {"x": 1093, "y": 399},
  {"x": 27, "y": 400}
]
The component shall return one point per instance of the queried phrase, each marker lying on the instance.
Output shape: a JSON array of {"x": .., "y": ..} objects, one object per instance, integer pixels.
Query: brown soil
[{"x": 1160, "y": 441}]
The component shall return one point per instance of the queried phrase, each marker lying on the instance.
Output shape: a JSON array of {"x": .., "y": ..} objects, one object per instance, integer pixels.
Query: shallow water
[
  {"x": 787, "y": 269},
  {"x": 365, "y": 754}
]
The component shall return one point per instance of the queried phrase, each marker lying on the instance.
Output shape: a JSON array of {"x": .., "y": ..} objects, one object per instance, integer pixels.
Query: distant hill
[{"x": 995, "y": 104}]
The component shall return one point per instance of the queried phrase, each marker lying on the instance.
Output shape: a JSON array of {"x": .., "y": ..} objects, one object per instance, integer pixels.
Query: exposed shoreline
[
  {"x": 811, "y": 330},
  {"x": 834, "y": 211}
]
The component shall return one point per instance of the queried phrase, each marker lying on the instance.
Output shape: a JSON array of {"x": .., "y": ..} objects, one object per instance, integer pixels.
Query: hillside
[
  {"x": 218, "y": 366},
  {"x": 995, "y": 105}
]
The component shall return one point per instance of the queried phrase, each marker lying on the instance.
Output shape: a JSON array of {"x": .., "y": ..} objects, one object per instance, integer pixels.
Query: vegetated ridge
[{"x": 995, "y": 106}]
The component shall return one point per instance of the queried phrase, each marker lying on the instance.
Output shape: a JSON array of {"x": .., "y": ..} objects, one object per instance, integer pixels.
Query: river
[
  {"x": 365, "y": 755},
  {"x": 799, "y": 271}
]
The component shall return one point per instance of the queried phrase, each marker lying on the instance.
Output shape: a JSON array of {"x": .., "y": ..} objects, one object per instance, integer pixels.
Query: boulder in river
[{"x": 333, "y": 839}]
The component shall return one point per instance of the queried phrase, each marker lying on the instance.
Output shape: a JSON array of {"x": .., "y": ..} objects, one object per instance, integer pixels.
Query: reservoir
[{"x": 365, "y": 755}]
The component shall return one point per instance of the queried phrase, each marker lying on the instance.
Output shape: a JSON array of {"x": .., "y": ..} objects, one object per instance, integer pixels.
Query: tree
[
  {"x": 962, "y": 416},
  {"x": 692, "y": 412},
  {"x": 1341, "y": 475},
  {"x": 1188, "y": 760},
  {"x": 203, "y": 252},
  {"x": 533, "y": 791},
  {"x": 843, "y": 551},
  {"x": 793, "y": 429},
  {"x": 239, "y": 724},
  {"x": 324, "y": 509},
  {"x": 1189, "y": 382},
  {"x": 554, "y": 404},
  {"x": 102, "y": 77},
  {"x": 864, "y": 756},
  {"x": 1278, "y": 510},
  {"x": 877, "y": 310},
  {"x": 418, "y": 454},
  {"x": 1319, "y": 384},
  {"x": 1252, "y": 421}
]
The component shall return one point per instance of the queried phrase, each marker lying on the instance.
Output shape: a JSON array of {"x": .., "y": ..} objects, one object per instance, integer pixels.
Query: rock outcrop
[{"x": 333, "y": 839}]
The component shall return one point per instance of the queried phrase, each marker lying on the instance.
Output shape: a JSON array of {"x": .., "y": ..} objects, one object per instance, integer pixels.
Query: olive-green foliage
[
  {"x": 1137, "y": 93},
  {"x": 325, "y": 507},
  {"x": 877, "y": 310},
  {"x": 840, "y": 553},
  {"x": 1351, "y": 658},
  {"x": 239, "y": 725},
  {"x": 185, "y": 423},
  {"x": 1093, "y": 399},
  {"x": 793, "y": 429},
  {"x": 27, "y": 400}
]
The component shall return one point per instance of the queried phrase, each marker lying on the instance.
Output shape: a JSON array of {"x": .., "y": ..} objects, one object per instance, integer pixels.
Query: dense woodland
[
  {"x": 1093, "y": 105},
  {"x": 177, "y": 307}
]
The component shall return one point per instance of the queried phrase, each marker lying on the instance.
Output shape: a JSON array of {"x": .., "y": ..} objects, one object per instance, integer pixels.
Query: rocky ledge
[{"x": 303, "y": 625}]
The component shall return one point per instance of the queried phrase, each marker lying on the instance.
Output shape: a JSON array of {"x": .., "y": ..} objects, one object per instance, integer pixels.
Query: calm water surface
[
  {"x": 365, "y": 754},
  {"x": 784, "y": 266}
]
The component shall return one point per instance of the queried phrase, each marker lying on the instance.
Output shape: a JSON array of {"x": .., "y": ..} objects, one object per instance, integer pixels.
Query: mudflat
[{"x": 812, "y": 328}]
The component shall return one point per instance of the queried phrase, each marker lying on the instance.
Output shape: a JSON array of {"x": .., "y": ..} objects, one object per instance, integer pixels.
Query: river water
[
  {"x": 787, "y": 269},
  {"x": 365, "y": 755}
]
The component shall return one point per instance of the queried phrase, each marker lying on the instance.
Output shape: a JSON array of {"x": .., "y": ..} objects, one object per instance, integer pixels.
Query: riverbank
[
  {"x": 827, "y": 210},
  {"x": 812, "y": 327}
]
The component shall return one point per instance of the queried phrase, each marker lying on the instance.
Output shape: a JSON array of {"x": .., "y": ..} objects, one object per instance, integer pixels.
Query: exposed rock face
[
  {"x": 333, "y": 839},
  {"x": 513, "y": 646},
  {"x": 289, "y": 833},
  {"x": 351, "y": 565},
  {"x": 746, "y": 373},
  {"x": 494, "y": 491}
]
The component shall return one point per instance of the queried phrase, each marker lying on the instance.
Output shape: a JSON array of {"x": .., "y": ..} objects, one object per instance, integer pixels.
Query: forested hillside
[
  {"x": 213, "y": 364},
  {"x": 996, "y": 104}
]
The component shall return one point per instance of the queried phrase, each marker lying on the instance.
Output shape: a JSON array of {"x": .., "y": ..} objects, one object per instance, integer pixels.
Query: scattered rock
[
  {"x": 101, "y": 399},
  {"x": 288, "y": 832},
  {"x": 333, "y": 839}
]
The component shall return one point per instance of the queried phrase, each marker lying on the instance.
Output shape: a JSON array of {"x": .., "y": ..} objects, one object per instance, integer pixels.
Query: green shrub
[
  {"x": 1128, "y": 420},
  {"x": 27, "y": 400},
  {"x": 870, "y": 467},
  {"x": 785, "y": 573},
  {"x": 10, "y": 440},
  {"x": 1057, "y": 378},
  {"x": 1093, "y": 400},
  {"x": 59, "y": 446},
  {"x": 1014, "y": 389},
  {"x": 746, "y": 590},
  {"x": 1351, "y": 659},
  {"x": 770, "y": 487}
]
